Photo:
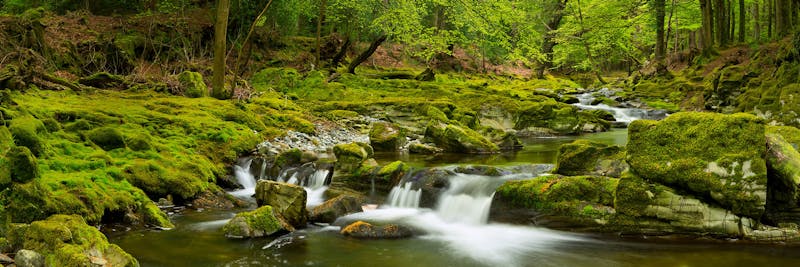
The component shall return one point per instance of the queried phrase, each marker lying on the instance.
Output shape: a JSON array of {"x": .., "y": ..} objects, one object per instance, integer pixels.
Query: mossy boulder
[
  {"x": 364, "y": 230},
  {"x": 420, "y": 148},
  {"x": 712, "y": 156},
  {"x": 349, "y": 156},
  {"x": 584, "y": 157},
  {"x": 66, "y": 240},
  {"x": 108, "y": 138},
  {"x": 385, "y": 136},
  {"x": 453, "y": 138},
  {"x": 783, "y": 165},
  {"x": 556, "y": 117},
  {"x": 193, "y": 84},
  {"x": 26, "y": 133},
  {"x": 574, "y": 202},
  {"x": 264, "y": 221},
  {"x": 336, "y": 207},
  {"x": 647, "y": 208},
  {"x": 789, "y": 133},
  {"x": 288, "y": 200},
  {"x": 104, "y": 80},
  {"x": 289, "y": 158},
  {"x": 369, "y": 175},
  {"x": 23, "y": 164}
]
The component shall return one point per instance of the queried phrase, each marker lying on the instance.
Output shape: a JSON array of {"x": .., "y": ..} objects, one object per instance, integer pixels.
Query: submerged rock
[
  {"x": 261, "y": 222},
  {"x": 365, "y": 230},
  {"x": 713, "y": 156},
  {"x": 336, "y": 207},
  {"x": 584, "y": 157},
  {"x": 288, "y": 200}
]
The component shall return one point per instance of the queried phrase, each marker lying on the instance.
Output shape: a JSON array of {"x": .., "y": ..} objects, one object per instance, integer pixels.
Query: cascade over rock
[{"x": 288, "y": 200}]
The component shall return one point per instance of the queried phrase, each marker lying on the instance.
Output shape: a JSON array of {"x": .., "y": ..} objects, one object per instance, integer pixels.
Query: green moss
[
  {"x": 193, "y": 84},
  {"x": 386, "y": 137},
  {"x": 23, "y": 165},
  {"x": 558, "y": 195},
  {"x": 559, "y": 117},
  {"x": 263, "y": 219},
  {"x": 584, "y": 157},
  {"x": 26, "y": 132},
  {"x": 632, "y": 196},
  {"x": 719, "y": 157},
  {"x": 139, "y": 142},
  {"x": 152, "y": 215},
  {"x": 453, "y": 138},
  {"x": 288, "y": 158},
  {"x": 67, "y": 241},
  {"x": 789, "y": 133},
  {"x": 104, "y": 80},
  {"x": 393, "y": 168},
  {"x": 275, "y": 79},
  {"x": 107, "y": 138},
  {"x": 349, "y": 156},
  {"x": 783, "y": 163},
  {"x": 340, "y": 114}
]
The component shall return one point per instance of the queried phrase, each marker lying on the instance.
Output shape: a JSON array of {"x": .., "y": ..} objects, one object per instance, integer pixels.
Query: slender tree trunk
[
  {"x": 770, "y": 17},
  {"x": 595, "y": 67},
  {"x": 721, "y": 23},
  {"x": 756, "y": 24},
  {"x": 549, "y": 38},
  {"x": 342, "y": 52},
  {"x": 241, "y": 64},
  {"x": 661, "y": 45},
  {"x": 366, "y": 54},
  {"x": 742, "y": 21},
  {"x": 693, "y": 40},
  {"x": 220, "y": 39},
  {"x": 731, "y": 22},
  {"x": 783, "y": 15},
  {"x": 322, "y": 6},
  {"x": 707, "y": 34}
]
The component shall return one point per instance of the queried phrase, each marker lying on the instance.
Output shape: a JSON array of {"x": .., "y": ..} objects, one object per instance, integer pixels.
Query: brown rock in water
[
  {"x": 337, "y": 207},
  {"x": 287, "y": 199},
  {"x": 366, "y": 230}
]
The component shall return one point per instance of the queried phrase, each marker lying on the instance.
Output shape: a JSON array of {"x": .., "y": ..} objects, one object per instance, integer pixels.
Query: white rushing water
[
  {"x": 404, "y": 196},
  {"x": 460, "y": 222},
  {"x": 623, "y": 115},
  {"x": 242, "y": 173},
  {"x": 315, "y": 188}
]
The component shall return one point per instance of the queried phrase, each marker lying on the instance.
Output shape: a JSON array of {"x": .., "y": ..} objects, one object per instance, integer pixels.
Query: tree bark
[
  {"x": 721, "y": 23},
  {"x": 366, "y": 54},
  {"x": 707, "y": 36},
  {"x": 322, "y": 6},
  {"x": 220, "y": 32},
  {"x": 549, "y": 38},
  {"x": 342, "y": 52},
  {"x": 742, "y": 21},
  {"x": 770, "y": 17},
  {"x": 661, "y": 44},
  {"x": 756, "y": 23},
  {"x": 783, "y": 15}
]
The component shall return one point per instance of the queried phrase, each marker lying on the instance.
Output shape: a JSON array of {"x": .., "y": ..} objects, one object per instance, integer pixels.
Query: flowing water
[
  {"x": 621, "y": 115},
  {"x": 456, "y": 232}
]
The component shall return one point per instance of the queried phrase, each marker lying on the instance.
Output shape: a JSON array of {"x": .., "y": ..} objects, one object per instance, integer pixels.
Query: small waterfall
[
  {"x": 404, "y": 196},
  {"x": 315, "y": 188},
  {"x": 242, "y": 173},
  {"x": 468, "y": 199},
  {"x": 621, "y": 115}
]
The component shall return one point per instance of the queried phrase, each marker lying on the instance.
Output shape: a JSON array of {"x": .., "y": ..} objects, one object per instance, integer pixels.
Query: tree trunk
[
  {"x": 707, "y": 34},
  {"x": 742, "y": 21},
  {"x": 366, "y": 54},
  {"x": 322, "y": 6},
  {"x": 549, "y": 38},
  {"x": 770, "y": 17},
  {"x": 783, "y": 15},
  {"x": 692, "y": 40},
  {"x": 342, "y": 52},
  {"x": 757, "y": 24},
  {"x": 595, "y": 67},
  {"x": 241, "y": 64},
  {"x": 661, "y": 45},
  {"x": 220, "y": 33},
  {"x": 731, "y": 22},
  {"x": 721, "y": 24}
]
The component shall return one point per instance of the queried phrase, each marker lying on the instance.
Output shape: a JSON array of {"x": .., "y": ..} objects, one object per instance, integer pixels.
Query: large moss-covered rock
[
  {"x": 26, "y": 133},
  {"x": 713, "y": 156},
  {"x": 371, "y": 176},
  {"x": 288, "y": 200},
  {"x": 193, "y": 84},
  {"x": 453, "y": 138},
  {"x": 552, "y": 117},
  {"x": 336, "y": 207},
  {"x": 350, "y": 156},
  {"x": 23, "y": 164},
  {"x": 646, "y": 208},
  {"x": 107, "y": 138},
  {"x": 584, "y": 157},
  {"x": 385, "y": 136},
  {"x": 261, "y": 222},
  {"x": 556, "y": 201},
  {"x": 783, "y": 164},
  {"x": 66, "y": 240}
]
